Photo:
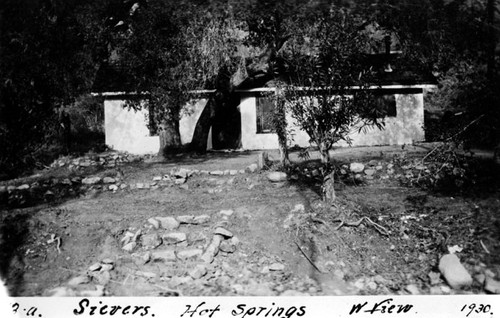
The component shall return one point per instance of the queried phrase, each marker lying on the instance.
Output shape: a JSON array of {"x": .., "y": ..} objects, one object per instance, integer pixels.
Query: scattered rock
[
  {"x": 146, "y": 257},
  {"x": 186, "y": 219},
  {"x": 23, "y": 187},
  {"x": 226, "y": 212},
  {"x": 198, "y": 272},
  {"x": 234, "y": 241},
  {"x": 356, "y": 167},
  {"x": 339, "y": 274},
  {"x": 359, "y": 284},
  {"x": 369, "y": 172},
  {"x": 174, "y": 238},
  {"x": 148, "y": 275},
  {"x": 212, "y": 250},
  {"x": 488, "y": 272},
  {"x": 154, "y": 222},
  {"x": 276, "y": 267},
  {"x": 181, "y": 173},
  {"x": 445, "y": 289},
  {"x": 492, "y": 286},
  {"x": 91, "y": 180},
  {"x": 435, "y": 278},
  {"x": 277, "y": 176},
  {"x": 222, "y": 231},
  {"x": 372, "y": 285},
  {"x": 136, "y": 236},
  {"x": 201, "y": 219},
  {"x": 102, "y": 278},
  {"x": 176, "y": 281},
  {"x": 227, "y": 247},
  {"x": 79, "y": 280},
  {"x": 108, "y": 180},
  {"x": 129, "y": 247},
  {"x": 189, "y": 253},
  {"x": 252, "y": 168},
  {"x": 151, "y": 241},
  {"x": 95, "y": 267},
  {"x": 164, "y": 255},
  {"x": 454, "y": 272},
  {"x": 435, "y": 290},
  {"x": 168, "y": 222},
  {"x": 412, "y": 289},
  {"x": 180, "y": 181},
  {"x": 480, "y": 278},
  {"x": 106, "y": 267}
]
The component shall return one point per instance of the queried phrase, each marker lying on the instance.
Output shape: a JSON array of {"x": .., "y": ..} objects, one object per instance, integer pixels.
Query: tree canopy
[{"x": 50, "y": 52}]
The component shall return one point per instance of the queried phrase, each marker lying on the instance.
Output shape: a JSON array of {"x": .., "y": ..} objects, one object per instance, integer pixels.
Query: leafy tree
[
  {"x": 47, "y": 58},
  {"x": 170, "y": 49},
  {"x": 325, "y": 63}
]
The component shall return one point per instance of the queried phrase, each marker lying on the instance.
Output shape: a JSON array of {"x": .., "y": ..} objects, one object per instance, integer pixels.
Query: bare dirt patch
[{"x": 286, "y": 241}]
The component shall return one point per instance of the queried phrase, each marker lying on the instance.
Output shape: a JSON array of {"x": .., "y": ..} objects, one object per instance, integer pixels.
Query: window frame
[{"x": 263, "y": 127}]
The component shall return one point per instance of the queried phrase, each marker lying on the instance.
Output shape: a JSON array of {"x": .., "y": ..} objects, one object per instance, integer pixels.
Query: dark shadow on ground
[{"x": 14, "y": 230}]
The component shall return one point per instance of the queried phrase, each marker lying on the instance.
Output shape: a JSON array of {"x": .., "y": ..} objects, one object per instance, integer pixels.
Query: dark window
[
  {"x": 265, "y": 107},
  {"x": 386, "y": 104}
]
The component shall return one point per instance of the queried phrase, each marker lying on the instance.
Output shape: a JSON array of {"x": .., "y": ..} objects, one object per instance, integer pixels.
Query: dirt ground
[{"x": 283, "y": 239}]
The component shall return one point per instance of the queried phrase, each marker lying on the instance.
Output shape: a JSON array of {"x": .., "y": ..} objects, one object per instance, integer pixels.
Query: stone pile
[
  {"x": 91, "y": 283},
  {"x": 188, "y": 254},
  {"x": 107, "y": 159},
  {"x": 458, "y": 277},
  {"x": 49, "y": 189}
]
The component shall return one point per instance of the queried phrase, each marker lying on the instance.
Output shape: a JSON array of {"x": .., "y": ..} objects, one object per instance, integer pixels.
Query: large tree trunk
[
  {"x": 328, "y": 188},
  {"x": 202, "y": 129},
  {"x": 284, "y": 159},
  {"x": 328, "y": 180},
  {"x": 323, "y": 152},
  {"x": 170, "y": 137},
  {"x": 280, "y": 125}
]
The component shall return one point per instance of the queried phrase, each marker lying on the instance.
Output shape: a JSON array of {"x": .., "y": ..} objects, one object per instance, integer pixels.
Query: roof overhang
[
  {"x": 138, "y": 94},
  {"x": 372, "y": 87}
]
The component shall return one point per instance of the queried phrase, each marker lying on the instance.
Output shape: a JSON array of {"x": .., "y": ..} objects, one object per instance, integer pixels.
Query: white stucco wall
[
  {"x": 250, "y": 139},
  {"x": 126, "y": 130},
  {"x": 189, "y": 118},
  {"x": 407, "y": 127}
]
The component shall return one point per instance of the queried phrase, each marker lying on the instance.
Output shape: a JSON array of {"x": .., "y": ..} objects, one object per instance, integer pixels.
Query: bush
[
  {"x": 39, "y": 137},
  {"x": 87, "y": 115},
  {"x": 468, "y": 102}
]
